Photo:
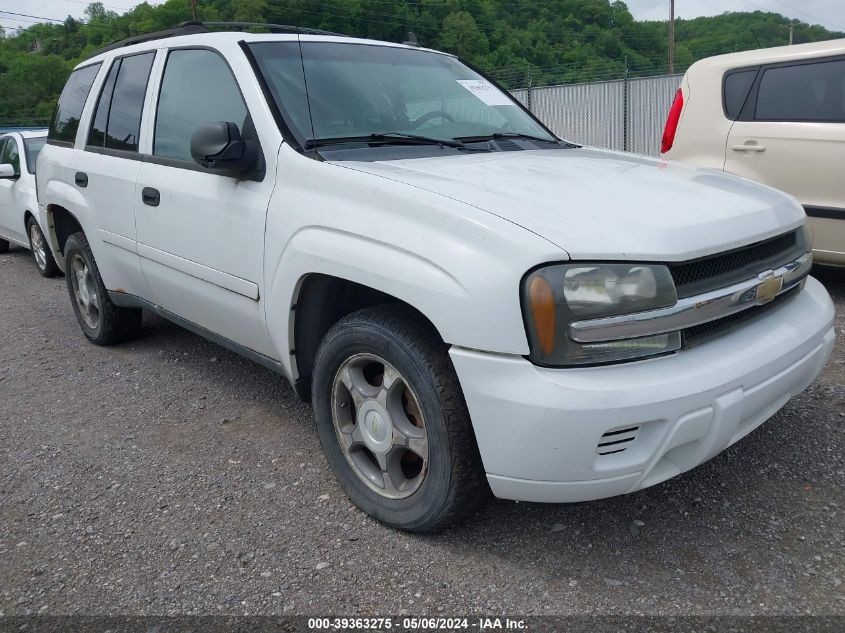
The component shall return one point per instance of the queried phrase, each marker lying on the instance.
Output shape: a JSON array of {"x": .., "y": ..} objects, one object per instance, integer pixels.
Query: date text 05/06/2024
[{"x": 415, "y": 624}]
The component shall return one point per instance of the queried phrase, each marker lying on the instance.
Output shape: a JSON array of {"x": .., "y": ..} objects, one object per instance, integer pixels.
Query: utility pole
[
  {"x": 671, "y": 37},
  {"x": 194, "y": 10},
  {"x": 791, "y": 32}
]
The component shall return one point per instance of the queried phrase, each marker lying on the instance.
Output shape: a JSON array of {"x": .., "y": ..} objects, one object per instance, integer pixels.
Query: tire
[
  {"x": 4, "y": 246},
  {"x": 110, "y": 324},
  {"x": 450, "y": 484},
  {"x": 40, "y": 249}
]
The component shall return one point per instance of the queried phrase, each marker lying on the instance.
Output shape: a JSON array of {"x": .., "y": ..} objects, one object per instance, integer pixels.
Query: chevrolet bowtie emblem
[{"x": 768, "y": 288}]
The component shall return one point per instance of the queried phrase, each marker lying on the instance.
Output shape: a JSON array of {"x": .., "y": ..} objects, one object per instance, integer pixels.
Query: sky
[{"x": 828, "y": 13}]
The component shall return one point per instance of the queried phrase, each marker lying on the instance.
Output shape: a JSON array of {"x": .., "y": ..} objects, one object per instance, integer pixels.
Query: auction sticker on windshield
[{"x": 485, "y": 91}]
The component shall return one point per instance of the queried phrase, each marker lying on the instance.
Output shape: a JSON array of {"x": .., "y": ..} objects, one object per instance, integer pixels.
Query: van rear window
[{"x": 71, "y": 102}]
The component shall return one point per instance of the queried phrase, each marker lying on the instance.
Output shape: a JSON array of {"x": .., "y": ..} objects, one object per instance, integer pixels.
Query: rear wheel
[
  {"x": 393, "y": 422},
  {"x": 102, "y": 322},
  {"x": 41, "y": 250}
]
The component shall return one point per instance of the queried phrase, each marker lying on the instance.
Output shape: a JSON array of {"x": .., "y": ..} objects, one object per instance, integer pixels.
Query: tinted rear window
[
  {"x": 71, "y": 102},
  {"x": 806, "y": 92},
  {"x": 117, "y": 121},
  {"x": 127, "y": 102},
  {"x": 737, "y": 85}
]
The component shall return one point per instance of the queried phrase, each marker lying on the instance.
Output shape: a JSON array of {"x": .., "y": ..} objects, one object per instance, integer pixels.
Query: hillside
[{"x": 555, "y": 41}]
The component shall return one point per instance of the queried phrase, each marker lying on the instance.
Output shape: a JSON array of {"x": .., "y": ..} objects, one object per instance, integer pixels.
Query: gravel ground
[{"x": 169, "y": 476}]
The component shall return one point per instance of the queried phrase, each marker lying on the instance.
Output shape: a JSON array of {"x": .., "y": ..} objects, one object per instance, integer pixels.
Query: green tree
[
  {"x": 462, "y": 36},
  {"x": 542, "y": 42}
]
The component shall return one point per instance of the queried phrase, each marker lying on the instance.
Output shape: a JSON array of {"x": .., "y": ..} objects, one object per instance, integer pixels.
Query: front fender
[{"x": 459, "y": 266}]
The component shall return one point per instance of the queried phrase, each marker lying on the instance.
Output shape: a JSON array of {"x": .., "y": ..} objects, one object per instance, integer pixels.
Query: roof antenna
[{"x": 412, "y": 40}]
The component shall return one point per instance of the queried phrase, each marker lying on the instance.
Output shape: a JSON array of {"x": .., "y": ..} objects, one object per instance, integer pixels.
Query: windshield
[
  {"x": 358, "y": 90},
  {"x": 32, "y": 147}
]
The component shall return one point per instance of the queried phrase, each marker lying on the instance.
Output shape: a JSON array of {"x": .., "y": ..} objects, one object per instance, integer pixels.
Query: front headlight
[{"x": 555, "y": 296}]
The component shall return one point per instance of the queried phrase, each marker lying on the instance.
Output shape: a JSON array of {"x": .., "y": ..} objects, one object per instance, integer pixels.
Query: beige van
[{"x": 777, "y": 116}]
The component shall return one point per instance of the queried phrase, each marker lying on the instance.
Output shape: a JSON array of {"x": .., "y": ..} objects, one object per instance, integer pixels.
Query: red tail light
[{"x": 672, "y": 122}]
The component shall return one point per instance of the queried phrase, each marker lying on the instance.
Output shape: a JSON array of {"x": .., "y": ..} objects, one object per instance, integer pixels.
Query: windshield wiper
[
  {"x": 384, "y": 138},
  {"x": 501, "y": 135}
]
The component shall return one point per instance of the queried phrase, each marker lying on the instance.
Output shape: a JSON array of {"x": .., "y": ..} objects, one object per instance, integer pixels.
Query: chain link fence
[{"x": 622, "y": 114}]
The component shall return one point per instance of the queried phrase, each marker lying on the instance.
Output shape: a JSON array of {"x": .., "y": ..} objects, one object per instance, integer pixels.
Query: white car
[
  {"x": 775, "y": 116},
  {"x": 470, "y": 303},
  {"x": 19, "y": 213}
]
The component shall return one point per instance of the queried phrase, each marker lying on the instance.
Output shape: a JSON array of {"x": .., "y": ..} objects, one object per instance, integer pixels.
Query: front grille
[
  {"x": 701, "y": 333},
  {"x": 719, "y": 271}
]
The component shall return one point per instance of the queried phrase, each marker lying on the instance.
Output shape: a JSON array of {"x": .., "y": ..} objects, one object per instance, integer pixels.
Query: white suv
[
  {"x": 470, "y": 303},
  {"x": 776, "y": 116}
]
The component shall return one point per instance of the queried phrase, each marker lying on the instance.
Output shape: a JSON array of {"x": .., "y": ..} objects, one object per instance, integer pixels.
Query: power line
[{"x": 55, "y": 21}]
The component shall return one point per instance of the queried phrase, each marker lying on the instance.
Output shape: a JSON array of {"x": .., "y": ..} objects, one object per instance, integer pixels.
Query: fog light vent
[{"x": 617, "y": 440}]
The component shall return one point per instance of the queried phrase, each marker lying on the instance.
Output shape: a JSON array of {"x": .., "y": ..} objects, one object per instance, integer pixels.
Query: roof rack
[
  {"x": 192, "y": 28},
  {"x": 273, "y": 28}
]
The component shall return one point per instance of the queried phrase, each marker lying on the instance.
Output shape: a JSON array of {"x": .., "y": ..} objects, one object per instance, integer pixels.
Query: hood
[{"x": 597, "y": 204}]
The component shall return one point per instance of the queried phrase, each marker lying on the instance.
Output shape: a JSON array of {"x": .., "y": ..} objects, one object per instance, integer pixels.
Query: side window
[
  {"x": 736, "y": 87},
  {"x": 65, "y": 121},
  {"x": 197, "y": 88},
  {"x": 805, "y": 92},
  {"x": 11, "y": 155},
  {"x": 117, "y": 121}
]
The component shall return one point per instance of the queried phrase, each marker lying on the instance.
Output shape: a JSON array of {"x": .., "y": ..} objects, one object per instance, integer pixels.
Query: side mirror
[
  {"x": 7, "y": 171},
  {"x": 219, "y": 146}
]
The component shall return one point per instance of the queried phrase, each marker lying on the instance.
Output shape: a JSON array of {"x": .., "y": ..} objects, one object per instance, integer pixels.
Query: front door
[
  {"x": 11, "y": 213},
  {"x": 201, "y": 234}
]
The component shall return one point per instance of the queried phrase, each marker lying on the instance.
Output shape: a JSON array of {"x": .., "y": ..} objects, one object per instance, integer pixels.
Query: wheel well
[
  {"x": 322, "y": 301},
  {"x": 64, "y": 224}
]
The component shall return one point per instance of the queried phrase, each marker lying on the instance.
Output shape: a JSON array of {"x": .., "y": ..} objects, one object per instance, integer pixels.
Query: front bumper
[{"x": 539, "y": 430}]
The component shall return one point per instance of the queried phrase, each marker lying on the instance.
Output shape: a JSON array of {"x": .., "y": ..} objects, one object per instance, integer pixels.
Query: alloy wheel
[
  {"x": 380, "y": 426},
  {"x": 39, "y": 246},
  {"x": 85, "y": 291}
]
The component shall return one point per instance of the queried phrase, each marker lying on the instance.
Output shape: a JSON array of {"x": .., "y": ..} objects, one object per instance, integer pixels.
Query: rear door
[
  {"x": 200, "y": 233},
  {"x": 106, "y": 170},
  {"x": 791, "y": 135}
]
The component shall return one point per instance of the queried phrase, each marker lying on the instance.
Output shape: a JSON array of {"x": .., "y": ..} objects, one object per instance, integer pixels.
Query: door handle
[
  {"x": 81, "y": 179},
  {"x": 749, "y": 148},
  {"x": 150, "y": 196}
]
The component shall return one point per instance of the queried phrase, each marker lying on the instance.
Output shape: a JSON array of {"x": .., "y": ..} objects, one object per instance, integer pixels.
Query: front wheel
[
  {"x": 392, "y": 420},
  {"x": 41, "y": 250},
  {"x": 102, "y": 322}
]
